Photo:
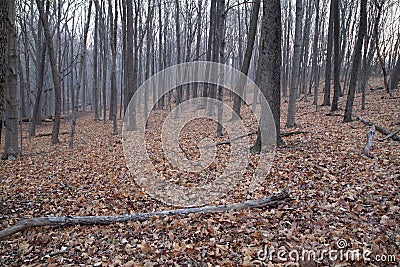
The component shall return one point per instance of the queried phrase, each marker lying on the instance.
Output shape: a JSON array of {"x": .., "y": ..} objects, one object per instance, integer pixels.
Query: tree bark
[
  {"x": 247, "y": 56},
  {"x": 114, "y": 92},
  {"x": 395, "y": 75},
  {"x": 80, "y": 81},
  {"x": 95, "y": 68},
  {"x": 11, "y": 149},
  {"x": 55, "y": 74},
  {"x": 328, "y": 67},
  {"x": 296, "y": 66},
  {"x": 356, "y": 61},
  {"x": 3, "y": 55},
  {"x": 269, "y": 65},
  {"x": 336, "y": 55},
  {"x": 130, "y": 83},
  {"x": 315, "y": 54}
]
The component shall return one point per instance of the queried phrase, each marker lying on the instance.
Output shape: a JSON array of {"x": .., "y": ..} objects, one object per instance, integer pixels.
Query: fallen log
[
  {"x": 370, "y": 141},
  {"x": 49, "y": 134},
  {"x": 377, "y": 88},
  {"x": 380, "y": 129},
  {"x": 292, "y": 133},
  {"x": 271, "y": 201}
]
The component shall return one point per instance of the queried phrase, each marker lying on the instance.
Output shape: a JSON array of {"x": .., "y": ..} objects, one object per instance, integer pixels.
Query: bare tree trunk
[
  {"x": 269, "y": 64},
  {"x": 328, "y": 68},
  {"x": 356, "y": 61},
  {"x": 114, "y": 91},
  {"x": 40, "y": 65},
  {"x": 104, "y": 32},
  {"x": 395, "y": 75},
  {"x": 56, "y": 77},
  {"x": 95, "y": 69},
  {"x": 11, "y": 150},
  {"x": 306, "y": 48},
  {"x": 247, "y": 56},
  {"x": 3, "y": 55},
  {"x": 379, "y": 7},
  {"x": 221, "y": 48},
  {"x": 130, "y": 83},
  {"x": 148, "y": 55},
  {"x": 178, "y": 51},
  {"x": 315, "y": 54},
  {"x": 80, "y": 81},
  {"x": 336, "y": 55},
  {"x": 296, "y": 66}
]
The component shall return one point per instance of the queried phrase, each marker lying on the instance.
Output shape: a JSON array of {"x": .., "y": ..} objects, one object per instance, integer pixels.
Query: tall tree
[
  {"x": 356, "y": 61},
  {"x": 328, "y": 67},
  {"x": 248, "y": 54},
  {"x": 55, "y": 74},
  {"x": 11, "y": 149},
  {"x": 315, "y": 54},
  {"x": 269, "y": 64},
  {"x": 3, "y": 54},
  {"x": 221, "y": 48},
  {"x": 95, "y": 69},
  {"x": 113, "y": 42},
  {"x": 130, "y": 80},
  {"x": 80, "y": 81},
  {"x": 296, "y": 65},
  {"x": 336, "y": 55}
]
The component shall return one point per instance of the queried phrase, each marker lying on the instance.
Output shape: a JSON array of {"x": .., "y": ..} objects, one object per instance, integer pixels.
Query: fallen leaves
[{"x": 337, "y": 194}]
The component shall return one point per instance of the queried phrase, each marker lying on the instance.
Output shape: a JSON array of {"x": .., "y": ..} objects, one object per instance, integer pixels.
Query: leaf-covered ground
[{"x": 337, "y": 195}]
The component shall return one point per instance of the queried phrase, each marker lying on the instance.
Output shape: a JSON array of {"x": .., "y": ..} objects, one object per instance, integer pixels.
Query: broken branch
[
  {"x": 378, "y": 128},
  {"x": 370, "y": 140},
  {"x": 272, "y": 200}
]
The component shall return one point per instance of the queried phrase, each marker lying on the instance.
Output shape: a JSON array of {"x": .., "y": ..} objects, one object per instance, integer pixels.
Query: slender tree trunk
[
  {"x": 178, "y": 51},
  {"x": 306, "y": 46},
  {"x": 356, "y": 61},
  {"x": 105, "y": 65},
  {"x": 247, "y": 57},
  {"x": 114, "y": 92},
  {"x": 56, "y": 77},
  {"x": 296, "y": 65},
  {"x": 336, "y": 57},
  {"x": 80, "y": 81},
  {"x": 328, "y": 67},
  {"x": 11, "y": 150},
  {"x": 130, "y": 83},
  {"x": 221, "y": 42},
  {"x": 315, "y": 53},
  {"x": 148, "y": 55},
  {"x": 379, "y": 7},
  {"x": 95, "y": 69}
]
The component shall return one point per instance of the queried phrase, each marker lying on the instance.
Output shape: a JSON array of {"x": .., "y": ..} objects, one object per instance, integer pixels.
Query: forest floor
[{"x": 341, "y": 202}]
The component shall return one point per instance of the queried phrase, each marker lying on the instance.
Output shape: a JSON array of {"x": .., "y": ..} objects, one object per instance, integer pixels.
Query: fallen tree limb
[
  {"x": 378, "y": 128},
  {"x": 390, "y": 135},
  {"x": 272, "y": 200},
  {"x": 292, "y": 133},
  {"x": 370, "y": 141},
  {"x": 49, "y": 134}
]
